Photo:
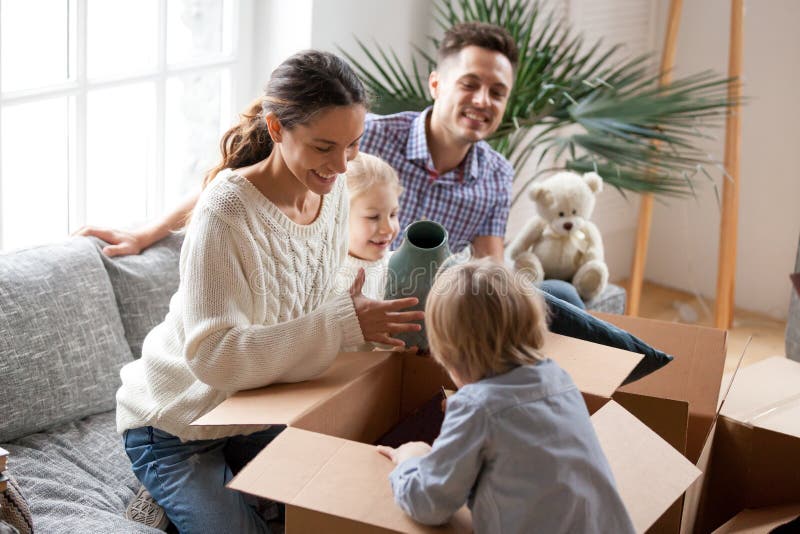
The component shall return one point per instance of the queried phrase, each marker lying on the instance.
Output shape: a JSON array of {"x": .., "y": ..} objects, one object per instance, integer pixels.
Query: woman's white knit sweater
[
  {"x": 375, "y": 275},
  {"x": 255, "y": 305}
]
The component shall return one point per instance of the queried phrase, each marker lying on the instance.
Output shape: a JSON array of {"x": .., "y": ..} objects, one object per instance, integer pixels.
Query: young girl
[
  {"x": 517, "y": 444},
  {"x": 256, "y": 302},
  {"x": 374, "y": 205}
]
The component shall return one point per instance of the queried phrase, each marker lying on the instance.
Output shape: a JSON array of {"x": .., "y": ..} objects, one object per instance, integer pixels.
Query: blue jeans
[
  {"x": 569, "y": 320},
  {"x": 188, "y": 478},
  {"x": 563, "y": 290}
]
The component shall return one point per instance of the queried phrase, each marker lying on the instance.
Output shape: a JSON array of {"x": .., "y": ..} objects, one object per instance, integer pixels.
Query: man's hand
[
  {"x": 120, "y": 242},
  {"x": 135, "y": 242},
  {"x": 412, "y": 449}
]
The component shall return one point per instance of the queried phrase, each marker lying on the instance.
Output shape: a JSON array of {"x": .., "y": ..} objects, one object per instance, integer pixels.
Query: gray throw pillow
[
  {"x": 143, "y": 285},
  {"x": 61, "y": 340}
]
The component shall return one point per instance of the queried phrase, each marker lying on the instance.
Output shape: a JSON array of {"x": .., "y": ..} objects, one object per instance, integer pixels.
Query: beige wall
[{"x": 684, "y": 243}]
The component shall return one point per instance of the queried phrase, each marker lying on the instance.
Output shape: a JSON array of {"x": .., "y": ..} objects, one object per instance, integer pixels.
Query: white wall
[
  {"x": 395, "y": 24},
  {"x": 282, "y": 28},
  {"x": 684, "y": 242}
]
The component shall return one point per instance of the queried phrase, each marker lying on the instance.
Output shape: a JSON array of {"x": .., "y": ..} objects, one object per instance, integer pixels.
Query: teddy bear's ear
[
  {"x": 594, "y": 181},
  {"x": 540, "y": 193}
]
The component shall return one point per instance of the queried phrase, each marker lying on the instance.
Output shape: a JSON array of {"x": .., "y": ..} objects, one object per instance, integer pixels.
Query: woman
[{"x": 255, "y": 303}]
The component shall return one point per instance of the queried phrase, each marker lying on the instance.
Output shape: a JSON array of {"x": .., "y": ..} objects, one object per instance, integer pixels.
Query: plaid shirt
[{"x": 469, "y": 201}]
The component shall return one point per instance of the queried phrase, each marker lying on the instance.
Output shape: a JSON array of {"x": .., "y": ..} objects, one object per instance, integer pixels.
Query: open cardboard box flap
[
  {"x": 597, "y": 370},
  {"x": 753, "y": 454},
  {"x": 283, "y": 404},
  {"x": 694, "y": 376},
  {"x": 327, "y": 475},
  {"x": 316, "y": 474},
  {"x": 650, "y": 474},
  {"x": 766, "y": 395},
  {"x": 760, "y": 520}
]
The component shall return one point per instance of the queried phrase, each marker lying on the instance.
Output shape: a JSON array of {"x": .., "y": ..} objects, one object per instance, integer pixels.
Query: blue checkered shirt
[{"x": 469, "y": 201}]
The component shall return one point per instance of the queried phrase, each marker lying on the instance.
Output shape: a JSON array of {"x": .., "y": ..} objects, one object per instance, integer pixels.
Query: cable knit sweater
[
  {"x": 375, "y": 274},
  {"x": 255, "y": 305}
]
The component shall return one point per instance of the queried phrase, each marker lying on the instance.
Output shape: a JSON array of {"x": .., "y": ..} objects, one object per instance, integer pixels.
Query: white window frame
[{"x": 239, "y": 61}]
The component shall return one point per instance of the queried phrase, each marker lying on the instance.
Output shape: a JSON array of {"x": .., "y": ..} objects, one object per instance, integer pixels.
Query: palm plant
[{"x": 639, "y": 136}]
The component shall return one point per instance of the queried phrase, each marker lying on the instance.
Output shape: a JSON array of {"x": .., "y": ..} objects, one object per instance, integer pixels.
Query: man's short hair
[{"x": 482, "y": 34}]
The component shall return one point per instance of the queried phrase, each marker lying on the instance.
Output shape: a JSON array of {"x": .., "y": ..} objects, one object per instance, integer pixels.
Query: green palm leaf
[{"x": 639, "y": 136}]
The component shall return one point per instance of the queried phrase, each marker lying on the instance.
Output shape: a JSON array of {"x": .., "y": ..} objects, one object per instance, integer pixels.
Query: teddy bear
[{"x": 560, "y": 241}]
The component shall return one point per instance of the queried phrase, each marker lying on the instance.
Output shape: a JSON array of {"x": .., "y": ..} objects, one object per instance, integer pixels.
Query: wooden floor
[{"x": 659, "y": 302}]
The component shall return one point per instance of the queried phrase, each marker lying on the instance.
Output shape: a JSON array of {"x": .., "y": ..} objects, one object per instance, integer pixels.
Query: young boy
[{"x": 517, "y": 444}]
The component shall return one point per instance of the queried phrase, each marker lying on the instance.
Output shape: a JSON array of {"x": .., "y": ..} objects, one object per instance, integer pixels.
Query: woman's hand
[
  {"x": 120, "y": 242},
  {"x": 381, "y": 318},
  {"x": 412, "y": 449}
]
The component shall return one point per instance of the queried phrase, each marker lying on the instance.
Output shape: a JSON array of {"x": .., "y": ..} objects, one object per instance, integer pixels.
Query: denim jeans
[
  {"x": 563, "y": 290},
  {"x": 188, "y": 478},
  {"x": 569, "y": 320}
]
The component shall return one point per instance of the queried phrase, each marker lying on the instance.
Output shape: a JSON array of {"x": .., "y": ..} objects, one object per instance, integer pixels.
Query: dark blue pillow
[{"x": 568, "y": 320}]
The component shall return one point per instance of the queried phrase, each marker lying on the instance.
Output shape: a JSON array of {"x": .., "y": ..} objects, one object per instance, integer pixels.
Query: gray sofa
[{"x": 70, "y": 318}]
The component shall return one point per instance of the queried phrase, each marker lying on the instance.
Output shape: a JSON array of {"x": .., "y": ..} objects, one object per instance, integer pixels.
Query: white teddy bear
[{"x": 560, "y": 241}]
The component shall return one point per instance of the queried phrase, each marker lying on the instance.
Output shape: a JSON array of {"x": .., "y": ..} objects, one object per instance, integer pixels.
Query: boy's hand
[{"x": 402, "y": 453}]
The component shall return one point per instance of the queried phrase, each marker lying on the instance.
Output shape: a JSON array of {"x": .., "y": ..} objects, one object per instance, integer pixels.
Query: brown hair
[
  {"x": 482, "y": 320},
  {"x": 366, "y": 170},
  {"x": 482, "y": 34},
  {"x": 298, "y": 89}
]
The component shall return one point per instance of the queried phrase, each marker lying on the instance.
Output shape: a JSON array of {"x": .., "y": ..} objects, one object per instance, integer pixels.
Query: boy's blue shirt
[{"x": 520, "y": 449}]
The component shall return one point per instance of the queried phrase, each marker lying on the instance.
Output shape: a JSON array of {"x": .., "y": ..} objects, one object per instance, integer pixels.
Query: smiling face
[
  {"x": 470, "y": 91},
  {"x": 373, "y": 221},
  {"x": 317, "y": 153}
]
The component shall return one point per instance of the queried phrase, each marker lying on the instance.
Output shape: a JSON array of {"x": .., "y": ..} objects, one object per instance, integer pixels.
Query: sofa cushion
[
  {"x": 76, "y": 477},
  {"x": 61, "y": 339},
  {"x": 611, "y": 300},
  {"x": 143, "y": 285}
]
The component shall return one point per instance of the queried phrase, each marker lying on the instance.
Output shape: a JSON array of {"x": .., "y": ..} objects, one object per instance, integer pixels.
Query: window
[{"x": 111, "y": 110}]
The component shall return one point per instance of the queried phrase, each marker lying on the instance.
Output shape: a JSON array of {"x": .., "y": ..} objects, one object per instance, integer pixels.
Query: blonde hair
[
  {"x": 365, "y": 171},
  {"x": 483, "y": 320}
]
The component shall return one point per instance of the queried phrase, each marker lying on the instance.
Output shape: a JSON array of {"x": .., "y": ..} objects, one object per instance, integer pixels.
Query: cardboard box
[
  {"x": 754, "y": 451},
  {"x": 691, "y": 382},
  {"x": 332, "y": 479},
  {"x": 762, "y": 520},
  {"x": 693, "y": 377}
]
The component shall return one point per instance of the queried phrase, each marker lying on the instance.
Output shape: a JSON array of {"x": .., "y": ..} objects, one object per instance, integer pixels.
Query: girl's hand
[
  {"x": 412, "y": 449},
  {"x": 120, "y": 242},
  {"x": 381, "y": 318}
]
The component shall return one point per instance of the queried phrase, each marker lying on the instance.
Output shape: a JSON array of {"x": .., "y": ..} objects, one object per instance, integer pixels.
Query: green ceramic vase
[{"x": 413, "y": 268}]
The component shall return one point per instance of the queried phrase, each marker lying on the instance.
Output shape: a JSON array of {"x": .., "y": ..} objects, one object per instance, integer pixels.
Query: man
[{"x": 450, "y": 174}]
